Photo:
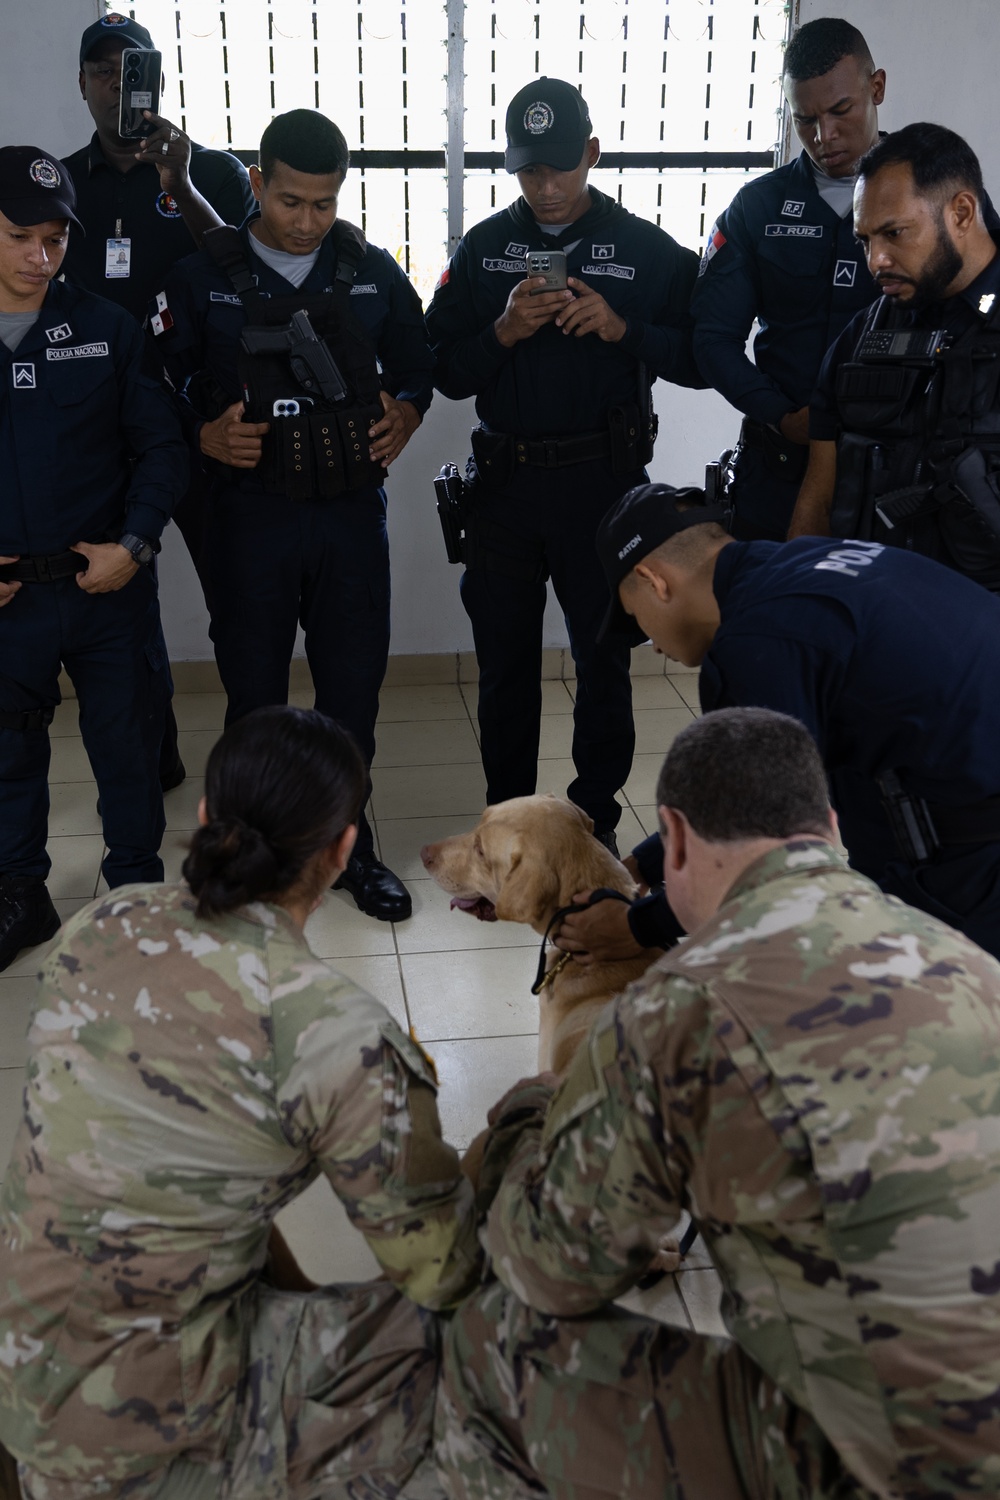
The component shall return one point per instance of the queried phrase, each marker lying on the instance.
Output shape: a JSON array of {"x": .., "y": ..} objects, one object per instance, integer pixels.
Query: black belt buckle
[
  {"x": 550, "y": 453},
  {"x": 43, "y": 569}
]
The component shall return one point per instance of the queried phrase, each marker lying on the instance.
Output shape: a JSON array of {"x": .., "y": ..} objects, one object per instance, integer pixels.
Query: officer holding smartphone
[
  {"x": 561, "y": 371},
  {"x": 144, "y": 202}
]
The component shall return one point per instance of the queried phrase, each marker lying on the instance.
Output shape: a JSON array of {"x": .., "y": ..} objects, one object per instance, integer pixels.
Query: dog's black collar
[{"x": 542, "y": 978}]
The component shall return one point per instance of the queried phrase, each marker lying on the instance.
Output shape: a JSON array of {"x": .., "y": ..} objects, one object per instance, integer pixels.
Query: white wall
[{"x": 941, "y": 62}]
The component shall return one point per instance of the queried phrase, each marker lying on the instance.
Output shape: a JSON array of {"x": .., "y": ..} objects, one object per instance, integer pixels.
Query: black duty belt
[
  {"x": 559, "y": 453},
  {"x": 758, "y": 435},
  {"x": 43, "y": 569}
]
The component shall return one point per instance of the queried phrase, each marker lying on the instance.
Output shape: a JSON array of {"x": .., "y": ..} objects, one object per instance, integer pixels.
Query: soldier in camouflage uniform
[
  {"x": 193, "y": 1067},
  {"x": 815, "y": 1073}
]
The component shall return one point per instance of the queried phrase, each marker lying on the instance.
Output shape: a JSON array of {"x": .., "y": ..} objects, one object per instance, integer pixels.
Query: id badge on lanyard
[
  {"x": 118, "y": 259},
  {"x": 117, "y": 256}
]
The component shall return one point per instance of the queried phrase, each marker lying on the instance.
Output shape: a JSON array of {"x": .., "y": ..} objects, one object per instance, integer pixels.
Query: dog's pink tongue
[{"x": 484, "y": 910}]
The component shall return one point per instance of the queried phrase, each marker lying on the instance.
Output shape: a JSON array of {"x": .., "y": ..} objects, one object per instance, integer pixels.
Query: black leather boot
[
  {"x": 27, "y": 915},
  {"x": 376, "y": 890}
]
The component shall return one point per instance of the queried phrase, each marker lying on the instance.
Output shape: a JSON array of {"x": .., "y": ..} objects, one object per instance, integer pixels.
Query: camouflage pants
[
  {"x": 616, "y": 1405},
  {"x": 337, "y": 1401}
]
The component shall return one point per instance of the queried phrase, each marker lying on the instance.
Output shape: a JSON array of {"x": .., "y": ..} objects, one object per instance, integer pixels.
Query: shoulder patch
[
  {"x": 410, "y": 1051},
  {"x": 716, "y": 240},
  {"x": 162, "y": 318}
]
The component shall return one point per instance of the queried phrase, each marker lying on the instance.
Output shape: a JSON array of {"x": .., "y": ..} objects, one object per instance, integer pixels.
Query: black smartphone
[
  {"x": 141, "y": 74},
  {"x": 548, "y": 263}
]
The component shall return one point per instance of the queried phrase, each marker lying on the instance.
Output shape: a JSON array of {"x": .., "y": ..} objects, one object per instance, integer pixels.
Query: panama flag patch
[
  {"x": 716, "y": 240},
  {"x": 163, "y": 318}
]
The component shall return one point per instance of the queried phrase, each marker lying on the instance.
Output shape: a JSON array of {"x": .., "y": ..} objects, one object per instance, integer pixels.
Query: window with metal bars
[{"x": 684, "y": 96}]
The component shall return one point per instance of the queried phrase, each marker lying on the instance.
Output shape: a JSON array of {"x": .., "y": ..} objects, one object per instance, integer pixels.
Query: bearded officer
[
  {"x": 905, "y": 422},
  {"x": 302, "y": 353},
  {"x": 93, "y": 462}
]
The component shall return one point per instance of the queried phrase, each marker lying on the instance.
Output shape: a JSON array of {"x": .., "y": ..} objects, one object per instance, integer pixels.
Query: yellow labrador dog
[{"x": 523, "y": 861}]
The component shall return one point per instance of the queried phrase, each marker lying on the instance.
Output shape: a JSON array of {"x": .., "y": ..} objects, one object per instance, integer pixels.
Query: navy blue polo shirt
[
  {"x": 889, "y": 659},
  {"x": 89, "y": 445},
  {"x": 132, "y": 205},
  {"x": 782, "y": 255},
  {"x": 554, "y": 384}
]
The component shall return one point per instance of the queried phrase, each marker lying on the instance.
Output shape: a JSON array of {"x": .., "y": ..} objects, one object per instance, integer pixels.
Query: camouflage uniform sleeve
[
  {"x": 361, "y": 1097},
  {"x": 590, "y": 1191}
]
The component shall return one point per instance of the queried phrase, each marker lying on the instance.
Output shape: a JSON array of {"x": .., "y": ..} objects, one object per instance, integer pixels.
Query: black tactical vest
[
  {"x": 317, "y": 447},
  {"x": 918, "y": 462}
]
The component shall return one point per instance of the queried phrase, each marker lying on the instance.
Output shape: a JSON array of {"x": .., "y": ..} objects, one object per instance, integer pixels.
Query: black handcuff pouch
[{"x": 493, "y": 454}]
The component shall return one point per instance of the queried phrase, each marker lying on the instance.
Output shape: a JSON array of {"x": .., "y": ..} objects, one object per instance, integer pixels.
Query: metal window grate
[{"x": 684, "y": 96}]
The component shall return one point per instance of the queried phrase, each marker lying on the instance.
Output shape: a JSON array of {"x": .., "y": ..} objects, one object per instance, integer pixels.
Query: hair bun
[{"x": 231, "y": 862}]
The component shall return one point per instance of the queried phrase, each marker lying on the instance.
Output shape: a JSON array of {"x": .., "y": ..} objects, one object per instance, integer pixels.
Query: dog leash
[{"x": 544, "y": 978}]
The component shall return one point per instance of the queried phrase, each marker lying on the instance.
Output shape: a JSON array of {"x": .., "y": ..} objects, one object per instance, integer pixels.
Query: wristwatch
[{"x": 137, "y": 547}]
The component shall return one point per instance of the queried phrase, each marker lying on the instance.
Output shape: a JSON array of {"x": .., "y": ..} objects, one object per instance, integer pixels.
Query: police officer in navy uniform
[
  {"x": 93, "y": 461},
  {"x": 784, "y": 254},
  {"x": 847, "y": 637},
  {"x": 561, "y": 380},
  {"x": 301, "y": 420},
  {"x": 144, "y": 205},
  {"x": 906, "y": 418}
]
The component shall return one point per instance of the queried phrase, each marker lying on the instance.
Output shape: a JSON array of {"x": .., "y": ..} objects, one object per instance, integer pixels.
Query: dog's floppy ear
[
  {"x": 530, "y": 890},
  {"x": 585, "y": 818}
]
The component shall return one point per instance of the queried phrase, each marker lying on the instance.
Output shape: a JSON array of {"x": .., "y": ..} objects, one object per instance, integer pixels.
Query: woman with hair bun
[{"x": 193, "y": 1067}]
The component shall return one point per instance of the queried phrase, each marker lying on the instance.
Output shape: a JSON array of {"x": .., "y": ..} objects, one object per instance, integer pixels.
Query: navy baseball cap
[
  {"x": 114, "y": 24},
  {"x": 643, "y": 519},
  {"x": 548, "y": 124},
  {"x": 35, "y": 187}
]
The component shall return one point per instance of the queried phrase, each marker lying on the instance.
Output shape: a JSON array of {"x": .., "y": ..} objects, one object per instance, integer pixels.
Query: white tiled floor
[{"x": 463, "y": 985}]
